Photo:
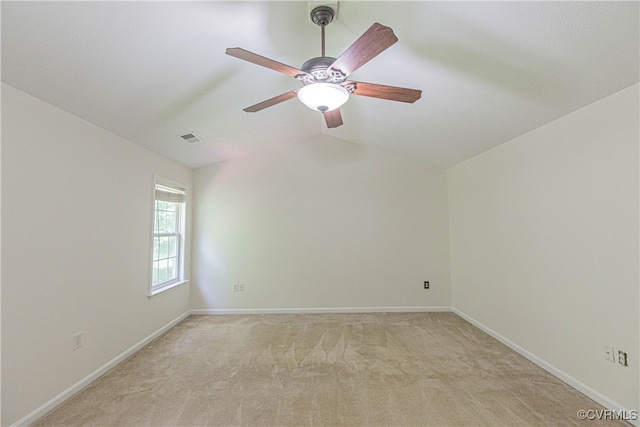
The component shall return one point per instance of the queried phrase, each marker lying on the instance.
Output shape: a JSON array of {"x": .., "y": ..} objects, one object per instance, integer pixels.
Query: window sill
[{"x": 166, "y": 288}]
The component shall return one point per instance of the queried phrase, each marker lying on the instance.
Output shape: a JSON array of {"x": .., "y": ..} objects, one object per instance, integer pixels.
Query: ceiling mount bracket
[{"x": 322, "y": 15}]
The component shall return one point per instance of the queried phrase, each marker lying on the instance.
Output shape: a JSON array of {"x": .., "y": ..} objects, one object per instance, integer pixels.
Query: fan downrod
[{"x": 322, "y": 16}]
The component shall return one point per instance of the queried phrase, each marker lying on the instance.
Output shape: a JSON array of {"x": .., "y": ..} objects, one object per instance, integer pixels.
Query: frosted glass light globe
[{"x": 323, "y": 96}]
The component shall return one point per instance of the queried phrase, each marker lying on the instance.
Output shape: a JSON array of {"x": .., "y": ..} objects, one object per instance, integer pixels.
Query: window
[{"x": 167, "y": 264}]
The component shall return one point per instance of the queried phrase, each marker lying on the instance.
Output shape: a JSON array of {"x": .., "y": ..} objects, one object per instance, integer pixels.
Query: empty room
[{"x": 335, "y": 213}]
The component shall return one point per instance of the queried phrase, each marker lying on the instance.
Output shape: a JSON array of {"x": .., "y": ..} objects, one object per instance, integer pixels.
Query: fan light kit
[
  {"x": 323, "y": 96},
  {"x": 324, "y": 78}
]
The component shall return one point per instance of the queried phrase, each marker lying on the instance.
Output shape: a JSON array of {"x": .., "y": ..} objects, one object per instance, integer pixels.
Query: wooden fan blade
[
  {"x": 374, "y": 41},
  {"x": 333, "y": 118},
  {"x": 391, "y": 93},
  {"x": 265, "y": 62},
  {"x": 272, "y": 101}
]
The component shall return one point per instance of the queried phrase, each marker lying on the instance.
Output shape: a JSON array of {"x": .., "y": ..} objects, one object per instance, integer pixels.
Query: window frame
[{"x": 180, "y": 232}]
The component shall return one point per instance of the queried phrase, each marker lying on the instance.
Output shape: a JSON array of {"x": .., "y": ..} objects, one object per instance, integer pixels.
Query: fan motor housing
[
  {"x": 316, "y": 72},
  {"x": 318, "y": 64}
]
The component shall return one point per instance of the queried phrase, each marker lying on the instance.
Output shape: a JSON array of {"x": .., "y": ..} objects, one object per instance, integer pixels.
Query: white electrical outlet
[
  {"x": 77, "y": 340},
  {"x": 608, "y": 353},
  {"x": 235, "y": 287}
]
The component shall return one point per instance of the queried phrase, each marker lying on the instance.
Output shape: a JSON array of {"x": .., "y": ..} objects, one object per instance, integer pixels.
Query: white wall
[
  {"x": 544, "y": 243},
  {"x": 76, "y": 230},
  {"x": 320, "y": 224}
]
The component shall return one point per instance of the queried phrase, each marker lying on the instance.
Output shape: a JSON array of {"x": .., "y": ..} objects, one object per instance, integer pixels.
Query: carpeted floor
[{"x": 375, "y": 369}]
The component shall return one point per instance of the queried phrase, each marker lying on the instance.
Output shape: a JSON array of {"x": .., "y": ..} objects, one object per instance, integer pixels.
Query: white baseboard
[
  {"x": 83, "y": 383},
  {"x": 561, "y": 375},
  {"x": 215, "y": 311}
]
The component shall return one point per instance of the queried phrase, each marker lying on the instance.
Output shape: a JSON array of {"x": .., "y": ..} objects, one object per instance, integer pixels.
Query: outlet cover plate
[
  {"x": 608, "y": 353},
  {"x": 77, "y": 341}
]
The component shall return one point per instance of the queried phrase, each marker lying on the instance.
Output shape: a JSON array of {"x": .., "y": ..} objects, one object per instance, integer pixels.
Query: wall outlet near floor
[
  {"x": 77, "y": 341},
  {"x": 426, "y": 284},
  {"x": 235, "y": 287},
  {"x": 622, "y": 358},
  {"x": 608, "y": 353}
]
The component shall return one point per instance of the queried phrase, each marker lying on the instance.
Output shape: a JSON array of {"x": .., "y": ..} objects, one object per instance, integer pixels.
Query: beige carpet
[{"x": 401, "y": 369}]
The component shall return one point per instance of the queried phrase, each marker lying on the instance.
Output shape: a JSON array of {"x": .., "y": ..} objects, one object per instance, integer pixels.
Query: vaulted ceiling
[{"x": 152, "y": 71}]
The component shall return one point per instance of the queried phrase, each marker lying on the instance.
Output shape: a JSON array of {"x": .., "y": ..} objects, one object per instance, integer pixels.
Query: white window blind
[{"x": 170, "y": 194}]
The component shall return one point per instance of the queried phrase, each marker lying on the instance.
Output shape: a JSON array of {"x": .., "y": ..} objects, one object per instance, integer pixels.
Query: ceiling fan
[{"x": 325, "y": 85}]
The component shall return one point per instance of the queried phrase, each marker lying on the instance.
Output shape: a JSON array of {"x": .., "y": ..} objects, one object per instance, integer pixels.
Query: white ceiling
[{"x": 151, "y": 71}]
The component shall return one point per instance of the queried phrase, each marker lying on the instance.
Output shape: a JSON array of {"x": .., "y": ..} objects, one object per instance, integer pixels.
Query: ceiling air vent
[{"x": 191, "y": 138}]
